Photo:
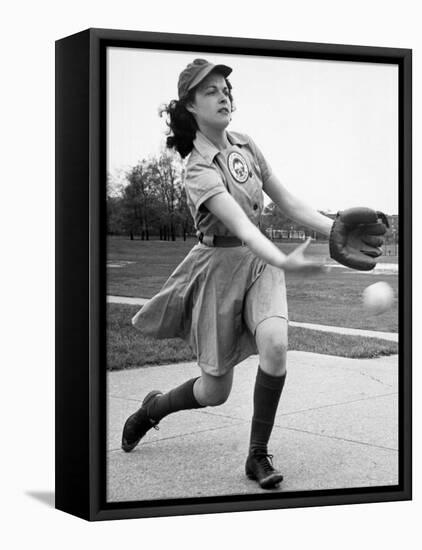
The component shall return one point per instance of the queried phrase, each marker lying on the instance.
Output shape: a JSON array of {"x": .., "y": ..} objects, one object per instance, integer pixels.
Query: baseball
[{"x": 378, "y": 298}]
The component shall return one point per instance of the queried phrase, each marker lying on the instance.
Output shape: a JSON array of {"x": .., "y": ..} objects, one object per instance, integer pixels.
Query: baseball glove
[{"x": 356, "y": 237}]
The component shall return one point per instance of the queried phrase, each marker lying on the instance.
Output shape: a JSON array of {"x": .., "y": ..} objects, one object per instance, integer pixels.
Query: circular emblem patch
[{"x": 238, "y": 167}]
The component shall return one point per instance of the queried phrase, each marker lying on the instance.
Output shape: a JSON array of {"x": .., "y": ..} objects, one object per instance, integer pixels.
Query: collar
[{"x": 208, "y": 150}]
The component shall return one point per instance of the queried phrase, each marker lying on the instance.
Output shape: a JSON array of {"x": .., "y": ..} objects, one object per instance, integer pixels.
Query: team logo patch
[{"x": 238, "y": 167}]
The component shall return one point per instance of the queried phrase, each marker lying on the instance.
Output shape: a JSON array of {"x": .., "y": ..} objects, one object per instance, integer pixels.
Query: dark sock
[
  {"x": 177, "y": 399},
  {"x": 267, "y": 393}
]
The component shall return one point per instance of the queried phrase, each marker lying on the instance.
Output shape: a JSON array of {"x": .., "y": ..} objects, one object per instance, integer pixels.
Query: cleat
[
  {"x": 259, "y": 467},
  {"x": 138, "y": 424}
]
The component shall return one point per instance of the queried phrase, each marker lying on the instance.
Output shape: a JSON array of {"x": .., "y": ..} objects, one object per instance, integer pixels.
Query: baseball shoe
[
  {"x": 259, "y": 466},
  {"x": 137, "y": 425}
]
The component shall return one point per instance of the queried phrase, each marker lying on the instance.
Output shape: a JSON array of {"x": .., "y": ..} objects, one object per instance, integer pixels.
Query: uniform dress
[{"x": 217, "y": 296}]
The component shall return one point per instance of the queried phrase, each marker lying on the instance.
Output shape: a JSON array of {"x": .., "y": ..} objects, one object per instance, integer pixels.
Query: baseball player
[{"x": 227, "y": 298}]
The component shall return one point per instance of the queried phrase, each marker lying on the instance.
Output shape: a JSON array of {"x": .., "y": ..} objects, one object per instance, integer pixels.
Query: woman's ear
[{"x": 189, "y": 107}]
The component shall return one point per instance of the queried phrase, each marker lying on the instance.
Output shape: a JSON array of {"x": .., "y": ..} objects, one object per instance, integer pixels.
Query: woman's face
[{"x": 212, "y": 107}]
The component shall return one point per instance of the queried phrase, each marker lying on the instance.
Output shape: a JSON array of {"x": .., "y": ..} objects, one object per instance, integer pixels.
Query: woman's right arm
[{"x": 228, "y": 211}]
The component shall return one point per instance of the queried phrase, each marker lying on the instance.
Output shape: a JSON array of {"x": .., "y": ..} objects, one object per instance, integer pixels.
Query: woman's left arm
[{"x": 295, "y": 208}]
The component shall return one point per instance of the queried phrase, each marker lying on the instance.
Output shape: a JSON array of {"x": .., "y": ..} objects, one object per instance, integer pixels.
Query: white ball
[{"x": 378, "y": 298}]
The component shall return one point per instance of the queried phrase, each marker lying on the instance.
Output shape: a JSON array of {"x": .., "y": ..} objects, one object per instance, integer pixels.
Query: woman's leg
[
  {"x": 206, "y": 390},
  {"x": 213, "y": 390},
  {"x": 271, "y": 339}
]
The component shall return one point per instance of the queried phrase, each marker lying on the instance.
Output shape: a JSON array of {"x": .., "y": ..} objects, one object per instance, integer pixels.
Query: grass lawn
[
  {"x": 332, "y": 299},
  {"x": 128, "y": 348}
]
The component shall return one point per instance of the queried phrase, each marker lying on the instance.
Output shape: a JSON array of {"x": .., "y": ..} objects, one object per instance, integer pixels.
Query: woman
[{"x": 227, "y": 298}]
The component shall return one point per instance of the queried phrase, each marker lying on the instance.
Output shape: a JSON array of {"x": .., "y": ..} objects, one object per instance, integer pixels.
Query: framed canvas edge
[
  {"x": 72, "y": 369},
  {"x": 99, "y": 509}
]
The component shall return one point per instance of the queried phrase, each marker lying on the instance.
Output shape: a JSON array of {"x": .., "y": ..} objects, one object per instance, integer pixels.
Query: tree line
[
  {"x": 151, "y": 201},
  {"x": 275, "y": 220}
]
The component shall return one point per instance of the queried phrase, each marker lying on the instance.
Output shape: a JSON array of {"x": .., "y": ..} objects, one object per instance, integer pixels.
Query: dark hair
[{"x": 182, "y": 124}]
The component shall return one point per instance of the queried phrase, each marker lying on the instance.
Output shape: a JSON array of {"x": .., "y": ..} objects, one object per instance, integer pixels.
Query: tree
[
  {"x": 152, "y": 199},
  {"x": 140, "y": 199},
  {"x": 275, "y": 219},
  {"x": 166, "y": 173},
  {"x": 114, "y": 216},
  {"x": 115, "y": 207},
  {"x": 183, "y": 214}
]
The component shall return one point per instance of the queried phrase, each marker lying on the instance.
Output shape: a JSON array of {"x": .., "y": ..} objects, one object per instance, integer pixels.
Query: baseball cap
[{"x": 195, "y": 72}]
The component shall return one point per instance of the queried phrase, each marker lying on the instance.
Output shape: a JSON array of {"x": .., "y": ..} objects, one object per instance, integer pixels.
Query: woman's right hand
[{"x": 296, "y": 262}]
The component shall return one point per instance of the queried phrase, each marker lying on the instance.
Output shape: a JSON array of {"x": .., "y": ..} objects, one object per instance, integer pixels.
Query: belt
[{"x": 217, "y": 240}]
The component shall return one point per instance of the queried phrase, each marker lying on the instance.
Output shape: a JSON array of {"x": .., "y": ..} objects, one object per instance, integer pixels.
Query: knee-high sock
[
  {"x": 177, "y": 399},
  {"x": 267, "y": 393}
]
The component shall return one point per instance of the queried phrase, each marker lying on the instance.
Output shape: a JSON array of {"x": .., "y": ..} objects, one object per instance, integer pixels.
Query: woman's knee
[
  {"x": 271, "y": 339},
  {"x": 276, "y": 349},
  {"x": 273, "y": 345},
  {"x": 216, "y": 399},
  {"x": 212, "y": 391}
]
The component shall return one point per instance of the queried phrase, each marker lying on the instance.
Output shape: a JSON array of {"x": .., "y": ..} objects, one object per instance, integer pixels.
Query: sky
[{"x": 328, "y": 129}]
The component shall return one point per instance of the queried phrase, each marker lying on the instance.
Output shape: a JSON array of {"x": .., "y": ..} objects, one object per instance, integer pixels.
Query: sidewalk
[
  {"x": 336, "y": 427},
  {"x": 392, "y": 336}
]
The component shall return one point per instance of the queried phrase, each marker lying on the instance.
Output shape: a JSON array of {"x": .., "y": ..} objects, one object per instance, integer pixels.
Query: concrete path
[
  {"x": 336, "y": 427},
  {"x": 392, "y": 336}
]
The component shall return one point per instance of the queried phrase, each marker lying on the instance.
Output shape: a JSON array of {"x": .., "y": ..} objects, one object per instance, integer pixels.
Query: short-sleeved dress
[{"x": 217, "y": 296}]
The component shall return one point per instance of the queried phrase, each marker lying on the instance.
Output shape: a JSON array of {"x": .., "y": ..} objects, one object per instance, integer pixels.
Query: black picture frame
[{"x": 81, "y": 283}]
